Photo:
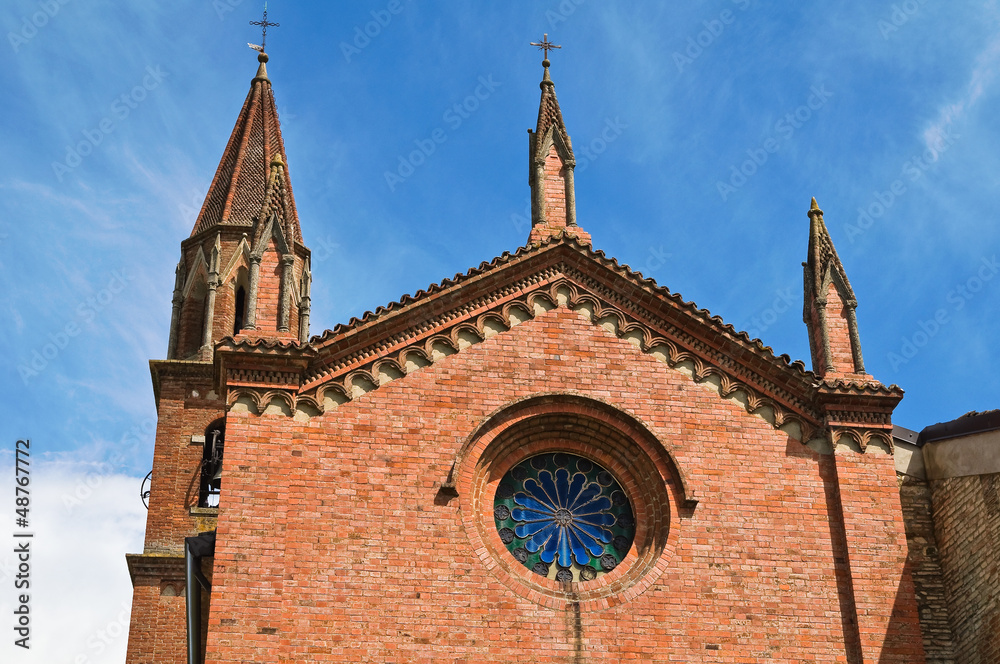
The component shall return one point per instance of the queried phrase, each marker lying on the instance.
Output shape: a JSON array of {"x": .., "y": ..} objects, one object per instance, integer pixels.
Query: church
[{"x": 548, "y": 458}]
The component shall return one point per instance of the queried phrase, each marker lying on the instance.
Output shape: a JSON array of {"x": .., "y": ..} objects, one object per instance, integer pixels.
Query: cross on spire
[
  {"x": 545, "y": 45},
  {"x": 264, "y": 24}
]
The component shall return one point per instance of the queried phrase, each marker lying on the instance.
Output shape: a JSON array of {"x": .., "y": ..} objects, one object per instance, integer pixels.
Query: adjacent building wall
[
  {"x": 924, "y": 557},
  {"x": 949, "y": 478},
  {"x": 967, "y": 522}
]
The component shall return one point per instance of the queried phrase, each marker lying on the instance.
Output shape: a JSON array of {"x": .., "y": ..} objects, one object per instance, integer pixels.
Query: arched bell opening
[{"x": 211, "y": 464}]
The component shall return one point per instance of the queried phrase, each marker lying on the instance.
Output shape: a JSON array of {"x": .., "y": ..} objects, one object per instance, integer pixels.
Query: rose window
[{"x": 564, "y": 517}]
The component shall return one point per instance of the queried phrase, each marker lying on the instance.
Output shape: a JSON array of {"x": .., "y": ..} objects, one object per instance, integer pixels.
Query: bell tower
[{"x": 244, "y": 273}]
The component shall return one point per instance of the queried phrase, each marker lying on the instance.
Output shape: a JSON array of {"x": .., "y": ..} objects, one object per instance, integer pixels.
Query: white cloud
[
  {"x": 983, "y": 74},
  {"x": 84, "y": 522}
]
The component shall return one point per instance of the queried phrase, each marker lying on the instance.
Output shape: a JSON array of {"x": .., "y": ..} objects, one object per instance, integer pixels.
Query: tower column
[
  {"x": 570, "y": 195},
  {"x": 852, "y": 326},
  {"x": 251, "y": 317},
  {"x": 175, "y": 311},
  {"x": 213, "y": 285},
  {"x": 538, "y": 195},
  {"x": 824, "y": 335},
  {"x": 304, "y": 303},
  {"x": 285, "y": 301}
]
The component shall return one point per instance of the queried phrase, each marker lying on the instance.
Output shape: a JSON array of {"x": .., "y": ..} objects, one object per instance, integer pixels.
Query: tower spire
[
  {"x": 550, "y": 165},
  {"x": 828, "y": 306},
  {"x": 236, "y": 192},
  {"x": 245, "y": 267}
]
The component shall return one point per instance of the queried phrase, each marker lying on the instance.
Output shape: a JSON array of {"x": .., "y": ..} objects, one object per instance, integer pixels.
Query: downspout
[{"x": 196, "y": 548}]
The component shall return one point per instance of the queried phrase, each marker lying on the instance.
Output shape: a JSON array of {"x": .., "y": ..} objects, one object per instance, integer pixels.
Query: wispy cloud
[
  {"x": 984, "y": 73},
  {"x": 50, "y": 195}
]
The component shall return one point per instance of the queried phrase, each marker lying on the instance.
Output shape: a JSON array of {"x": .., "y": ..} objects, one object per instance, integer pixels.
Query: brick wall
[
  {"x": 925, "y": 566},
  {"x": 336, "y": 543},
  {"x": 554, "y": 202},
  {"x": 268, "y": 290},
  {"x": 882, "y": 587},
  {"x": 967, "y": 525},
  {"x": 839, "y": 335},
  {"x": 157, "y": 634},
  {"x": 177, "y": 461},
  {"x": 192, "y": 323},
  {"x": 554, "y": 186}
]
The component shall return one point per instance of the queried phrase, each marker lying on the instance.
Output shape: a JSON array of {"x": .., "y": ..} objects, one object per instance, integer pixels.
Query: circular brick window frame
[{"x": 597, "y": 431}]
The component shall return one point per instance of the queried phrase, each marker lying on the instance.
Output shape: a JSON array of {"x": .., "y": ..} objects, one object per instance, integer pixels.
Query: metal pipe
[
  {"x": 196, "y": 548},
  {"x": 191, "y": 563}
]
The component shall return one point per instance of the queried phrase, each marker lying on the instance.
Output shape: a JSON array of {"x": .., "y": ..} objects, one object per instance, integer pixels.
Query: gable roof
[{"x": 350, "y": 359}]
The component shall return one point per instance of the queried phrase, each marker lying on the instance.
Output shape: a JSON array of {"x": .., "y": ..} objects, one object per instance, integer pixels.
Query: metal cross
[
  {"x": 264, "y": 25},
  {"x": 545, "y": 45}
]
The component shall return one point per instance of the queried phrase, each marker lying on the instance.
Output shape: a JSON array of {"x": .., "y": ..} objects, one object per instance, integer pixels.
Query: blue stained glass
[{"x": 566, "y": 510}]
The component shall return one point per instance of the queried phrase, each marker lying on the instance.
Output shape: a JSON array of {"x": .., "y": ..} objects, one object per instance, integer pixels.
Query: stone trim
[
  {"x": 187, "y": 370},
  {"x": 159, "y": 566}
]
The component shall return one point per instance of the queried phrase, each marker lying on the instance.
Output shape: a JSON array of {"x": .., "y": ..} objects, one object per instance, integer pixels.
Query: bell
[{"x": 218, "y": 472}]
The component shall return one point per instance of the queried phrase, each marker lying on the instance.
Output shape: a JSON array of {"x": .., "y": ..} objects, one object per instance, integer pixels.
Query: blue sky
[{"x": 701, "y": 131}]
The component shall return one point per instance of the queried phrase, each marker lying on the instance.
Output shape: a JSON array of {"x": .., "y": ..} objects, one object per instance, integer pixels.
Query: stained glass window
[{"x": 564, "y": 517}]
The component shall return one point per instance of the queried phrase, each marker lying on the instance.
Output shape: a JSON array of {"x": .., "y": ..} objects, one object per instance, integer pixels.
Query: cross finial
[
  {"x": 264, "y": 24},
  {"x": 545, "y": 45}
]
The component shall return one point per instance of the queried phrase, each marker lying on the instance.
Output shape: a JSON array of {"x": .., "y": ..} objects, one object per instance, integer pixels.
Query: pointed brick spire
[
  {"x": 550, "y": 170},
  {"x": 828, "y": 307},
  {"x": 236, "y": 193},
  {"x": 244, "y": 270}
]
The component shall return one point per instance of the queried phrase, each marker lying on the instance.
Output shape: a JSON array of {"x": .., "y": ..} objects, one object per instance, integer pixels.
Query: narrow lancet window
[{"x": 241, "y": 305}]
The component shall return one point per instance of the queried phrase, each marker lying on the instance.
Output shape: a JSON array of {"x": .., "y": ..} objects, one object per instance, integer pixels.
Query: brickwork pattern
[
  {"x": 269, "y": 290},
  {"x": 888, "y": 624},
  {"x": 553, "y": 185},
  {"x": 192, "y": 324},
  {"x": 177, "y": 462},
  {"x": 838, "y": 334},
  {"x": 157, "y": 634},
  {"x": 337, "y": 544},
  {"x": 967, "y": 525},
  {"x": 154, "y": 637},
  {"x": 555, "y": 189}
]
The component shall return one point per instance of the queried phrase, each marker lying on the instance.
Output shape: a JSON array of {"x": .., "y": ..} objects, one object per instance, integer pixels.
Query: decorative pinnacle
[
  {"x": 814, "y": 209},
  {"x": 545, "y": 45}
]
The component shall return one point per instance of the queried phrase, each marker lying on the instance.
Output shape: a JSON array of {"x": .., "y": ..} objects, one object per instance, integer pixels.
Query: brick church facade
[{"x": 549, "y": 458}]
